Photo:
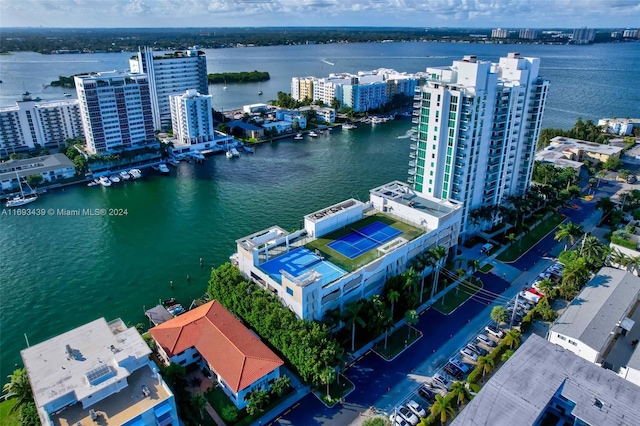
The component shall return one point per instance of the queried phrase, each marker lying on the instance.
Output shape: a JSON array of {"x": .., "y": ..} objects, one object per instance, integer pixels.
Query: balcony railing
[
  {"x": 412, "y": 163},
  {"x": 411, "y": 172},
  {"x": 415, "y": 120},
  {"x": 413, "y": 154},
  {"x": 413, "y": 146},
  {"x": 410, "y": 179}
]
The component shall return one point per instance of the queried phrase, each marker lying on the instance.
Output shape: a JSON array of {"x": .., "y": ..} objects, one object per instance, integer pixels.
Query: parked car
[
  {"x": 469, "y": 354},
  {"x": 492, "y": 329},
  {"x": 396, "y": 420},
  {"x": 427, "y": 394},
  {"x": 455, "y": 372},
  {"x": 483, "y": 338},
  {"x": 530, "y": 297},
  {"x": 416, "y": 409},
  {"x": 407, "y": 415},
  {"x": 441, "y": 380},
  {"x": 524, "y": 305},
  {"x": 477, "y": 350},
  {"x": 632, "y": 179},
  {"x": 461, "y": 366},
  {"x": 486, "y": 248}
]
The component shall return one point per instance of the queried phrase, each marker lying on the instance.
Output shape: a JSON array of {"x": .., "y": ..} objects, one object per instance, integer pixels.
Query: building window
[
  {"x": 289, "y": 291},
  {"x": 571, "y": 342},
  {"x": 561, "y": 337}
]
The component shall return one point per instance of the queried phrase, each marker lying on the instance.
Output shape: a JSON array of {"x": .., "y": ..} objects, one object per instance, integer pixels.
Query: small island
[
  {"x": 238, "y": 77},
  {"x": 67, "y": 82}
]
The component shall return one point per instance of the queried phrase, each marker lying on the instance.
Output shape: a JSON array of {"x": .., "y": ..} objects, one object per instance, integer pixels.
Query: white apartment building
[
  {"x": 583, "y": 35},
  {"x": 619, "y": 126},
  {"x": 169, "y": 74},
  {"x": 30, "y": 122},
  {"x": 529, "y": 34},
  {"x": 476, "y": 129},
  {"x": 50, "y": 167},
  {"x": 116, "y": 110},
  {"x": 191, "y": 117},
  {"x": 325, "y": 89},
  {"x": 312, "y": 281},
  {"x": 98, "y": 373},
  {"x": 630, "y": 33},
  {"x": 499, "y": 33}
]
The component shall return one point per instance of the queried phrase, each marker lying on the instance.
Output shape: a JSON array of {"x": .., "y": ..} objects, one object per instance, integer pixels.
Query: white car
[
  {"x": 461, "y": 366},
  {"x": 406, "y": 414},
  {"x": 495, "y": 331},
  {"x": 441, "y": 381},
  {"x": 397, "y": 420},
  {"x": 416, "y": 409},
  {"x": 467, "y": 353},
  {"x": 483, "y": 338}
]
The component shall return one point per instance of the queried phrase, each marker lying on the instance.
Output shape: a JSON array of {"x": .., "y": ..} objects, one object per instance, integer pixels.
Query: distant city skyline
[{"x": 261, "y": 13}]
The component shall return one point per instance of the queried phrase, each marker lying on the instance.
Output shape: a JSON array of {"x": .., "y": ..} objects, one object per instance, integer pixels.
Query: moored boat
[
  {"x": 228, "y": 154},
  {"x": 313, "y": 134},
  {"x": 163, "y": 168},
  {"x": 124, "y": 175},
  {"x": 197, "y": 155},
  {"x": 135, "y": 173},
  {"x": 349, "y": 126},
  {"x": 234, "y": 152},
  {"x": 298, "y": 137},
  {"x": 105, "y": 181},
  {"x": 115, "y": 178},
  {"x": 22, "y": 198}
]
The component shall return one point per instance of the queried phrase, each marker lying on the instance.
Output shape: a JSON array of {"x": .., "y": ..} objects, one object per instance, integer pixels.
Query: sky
[{"x": 301, "y": 13}]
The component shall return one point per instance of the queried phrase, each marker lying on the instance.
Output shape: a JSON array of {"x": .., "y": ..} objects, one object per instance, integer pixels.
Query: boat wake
[
  {"x": 327, "y": 62},
  {"x": 407, "y": 135}
]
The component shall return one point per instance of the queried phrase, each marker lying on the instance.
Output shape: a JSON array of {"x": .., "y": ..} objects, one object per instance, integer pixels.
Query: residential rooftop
[
  {"x": 404, "y": 194},
  {"x": 233, "y": 351},
  {"x": 82, "y": 361},
  {"x": 29, "y": 166},
  {"x": 333, "y": 210},
  {"x": 599, "y": 308},
  {"x": 562, "y": 143},
  {"x": 520, "y": 391}
]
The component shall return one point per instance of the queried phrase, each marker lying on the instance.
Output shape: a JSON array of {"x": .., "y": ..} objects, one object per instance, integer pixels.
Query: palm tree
[
  {"x": 460, "y": 272},
  {"x": 18, "y": 387},
  {"x": 506, "y": 355},
  {"x": 411, "y": 277},
  {"x": 499, "y": 315},
  {"x": 591, "y": 247},
  {"x": 486, "y": 364},
  {"x": 393, "y": 297},
  {"x": 546, "y": 286},
  {"x": 199, "y": 401},
  {"x": 461, "y": 392},
  {"x": 619, "y": 258},
  {"x": 429, "y": 262},
  {"x": 327, "y": 376},
  {"x": 473, "y": 264},
  {"x": 576, "y": 273},
  {"x": 443, "y": 407},
  {"x": 352, "y": 317},
  {"x": 411, "y": 318},
  {"x": 568, "y": 231},
  {"x": 387, "y": 325},
  {"x": 512, "y": 339},
  {"x": 511, "y": 238},
  {"x": 439, "y": 254}
]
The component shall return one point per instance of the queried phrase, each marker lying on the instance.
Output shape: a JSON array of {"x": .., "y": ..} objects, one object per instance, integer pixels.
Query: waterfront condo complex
[
  {"x": 30, "y": 123},
  {"x": 476, "y": 129},
  {"x": 362, "y": 92},
  {"x": 116, "y": 110},
  {"x": 170, "y": 74},
  {"x": 347, "y": 251}
]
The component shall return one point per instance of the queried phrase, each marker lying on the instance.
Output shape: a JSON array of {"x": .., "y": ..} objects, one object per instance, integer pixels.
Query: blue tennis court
[
  {"x": 298, "y": 262},
  {"x": 364, "y": 239}
]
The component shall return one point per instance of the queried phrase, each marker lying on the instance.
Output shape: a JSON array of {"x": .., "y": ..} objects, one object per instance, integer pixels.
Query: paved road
[{"x": 383, "y": 384}]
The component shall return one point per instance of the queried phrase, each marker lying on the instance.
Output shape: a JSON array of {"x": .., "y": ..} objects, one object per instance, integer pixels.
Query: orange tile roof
[{"x": 235, "y": 353}]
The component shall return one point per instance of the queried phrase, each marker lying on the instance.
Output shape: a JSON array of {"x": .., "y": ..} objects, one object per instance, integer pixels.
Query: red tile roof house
[{"x": 211, "y": 336}]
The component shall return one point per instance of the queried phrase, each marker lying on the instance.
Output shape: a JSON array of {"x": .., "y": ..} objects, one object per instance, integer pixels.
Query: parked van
[{"x": 486, "y": 248}]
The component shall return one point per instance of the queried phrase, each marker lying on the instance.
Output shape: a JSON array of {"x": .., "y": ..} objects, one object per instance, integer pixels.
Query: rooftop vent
[{"x": 69, "y": 352}]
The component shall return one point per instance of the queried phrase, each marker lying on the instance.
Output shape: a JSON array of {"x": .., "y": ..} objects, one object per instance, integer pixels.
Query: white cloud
[{"x": 409, "y": 13}]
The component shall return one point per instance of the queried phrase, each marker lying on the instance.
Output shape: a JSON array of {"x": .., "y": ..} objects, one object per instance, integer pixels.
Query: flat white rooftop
[
  {"x": 333, "y": 210},
  {"x": 562, "y": 143},
  {"x": 83, "y": 360},
  {"x": 403, "y": 193}
]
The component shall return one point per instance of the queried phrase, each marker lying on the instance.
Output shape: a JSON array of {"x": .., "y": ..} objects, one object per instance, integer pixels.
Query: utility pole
[{"x": 515, "y": 308}]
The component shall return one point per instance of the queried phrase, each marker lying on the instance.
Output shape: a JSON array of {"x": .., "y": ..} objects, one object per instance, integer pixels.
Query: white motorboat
[
  {"x": 135, "y": 173},
  {"x": 197, "y": 155},
  {"x": 313, "y": 134},
  {"x": 22, "y": 199},
  {"x": 349, "y": 126},
  {"x": 124, "y": 175},
  {"x": 163, "y": 168},
  {"x": 298, "y": 137},
  {"x": 67, "y": 95},
  {"x": 105, "y": 181},
  {"x": 234, "y": 152},
  {"x": 249, "y": 149},
  {"x": 228, "y": 154},
  {"x": 115, "y": 178}
]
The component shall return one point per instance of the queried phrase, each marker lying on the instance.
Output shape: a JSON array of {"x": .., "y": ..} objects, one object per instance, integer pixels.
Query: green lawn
[
  {"x": 7, "y": 418},
  {"x": 219, "y": 400},
  {"x": 530, "y": 239},
  {"x": 486, "y": 268},
  {"x": 397, "y": 342},
  {"x": 408, "y": 232},
  {"x": 336, "y": 390},
  {"x": 455, "y": 297}
]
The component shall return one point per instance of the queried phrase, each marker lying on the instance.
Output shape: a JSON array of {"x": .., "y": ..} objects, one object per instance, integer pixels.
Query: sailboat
[
  {"x": 22, "y": 199},
  {"x": 225, "y": 85}
]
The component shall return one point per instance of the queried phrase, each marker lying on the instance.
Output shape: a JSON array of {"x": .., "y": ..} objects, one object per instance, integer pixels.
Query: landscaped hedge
[
  {"x": 495, "y": 354},
  {"x": 624, "y": 243}
]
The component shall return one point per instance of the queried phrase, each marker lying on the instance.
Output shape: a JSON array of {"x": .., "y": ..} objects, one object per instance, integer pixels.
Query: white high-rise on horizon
[
  {"x": 477, "y": 126},
  {"x": 115, "y": 109},
  {"x": 191, "y": 117},
  {"x": 170, "y": 74}
]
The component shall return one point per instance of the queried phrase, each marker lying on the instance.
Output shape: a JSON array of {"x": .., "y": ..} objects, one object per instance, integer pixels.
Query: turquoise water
[{"x": 58, "y": 272}]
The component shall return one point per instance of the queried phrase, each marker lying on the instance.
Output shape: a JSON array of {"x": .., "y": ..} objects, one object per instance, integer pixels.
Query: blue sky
[{"x": 246, "y": 13}]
